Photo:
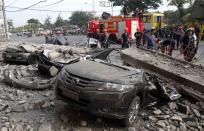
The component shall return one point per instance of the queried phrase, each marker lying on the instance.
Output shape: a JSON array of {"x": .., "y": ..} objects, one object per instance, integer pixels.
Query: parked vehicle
[
  {"x": 153, "y": 20},
  {"x": 19, "y": 34},
  {"x": 104, "y": 89},
  {"x": 115, "y": 26},
  {"x": 93, "y": 43},
  {"x": 57, "y": 40}
]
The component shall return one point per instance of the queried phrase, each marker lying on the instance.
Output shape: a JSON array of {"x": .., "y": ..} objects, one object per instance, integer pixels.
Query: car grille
[{"x": 80, "y": 82}]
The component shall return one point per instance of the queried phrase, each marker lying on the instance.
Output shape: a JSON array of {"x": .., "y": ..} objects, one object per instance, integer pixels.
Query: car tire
[{"x": 132, "y": 112}]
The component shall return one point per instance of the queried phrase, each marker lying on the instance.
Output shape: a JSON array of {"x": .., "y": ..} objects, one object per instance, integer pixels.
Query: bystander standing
[
  {"x": 138, "y": 37},
  {"x": 125, "y": 39},
  {"x": 188, "y": 45},
  {"x": 197, "y": 33},
  {"x": 151, "y": 40}
]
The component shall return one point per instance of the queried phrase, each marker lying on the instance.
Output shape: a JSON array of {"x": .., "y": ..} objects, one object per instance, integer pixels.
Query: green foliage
[
  {"x": 59, "y": 22},
  {"x": 180, "y": 6},
  {"x": 80, "y": 18},
  {"x": 33, "y": 25},
  {"x": 33, "y": 21},
  {"x": 48, "y": 24},
  {"x": 177, "y": 3},
  {"x": 141, "y": 4},
  {"x": 171, "y": 17}
]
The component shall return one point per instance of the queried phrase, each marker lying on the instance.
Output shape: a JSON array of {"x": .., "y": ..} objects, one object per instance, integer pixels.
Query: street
[
  {"x": 101, "y": 65},
  {"x": 31, "y": 110},
  {"x": 73, "y": 39}
]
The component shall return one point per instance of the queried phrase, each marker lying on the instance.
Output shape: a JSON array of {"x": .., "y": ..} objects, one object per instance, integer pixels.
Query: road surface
[{"x": 75, "y": 39}]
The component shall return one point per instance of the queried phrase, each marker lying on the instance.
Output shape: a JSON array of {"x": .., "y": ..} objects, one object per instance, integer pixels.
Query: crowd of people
[{"x": 185, "y": 40}]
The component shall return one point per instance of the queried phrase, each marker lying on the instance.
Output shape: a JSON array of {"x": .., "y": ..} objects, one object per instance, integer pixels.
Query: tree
[
  {"x": 10, "y": 24},
  {"x": 33, "y": 24},
  {"x": 180, "y": 6},
  {"x": 171, "y": 17},
  {"x": 33, "y": 21},
  {"x": 59, "y": 22},
  {"x": 48, "y": 24},
  {"x": 66, "y": 24},
  {"x": 141, "y": 4},
  {"x": 80, "y": 18}
]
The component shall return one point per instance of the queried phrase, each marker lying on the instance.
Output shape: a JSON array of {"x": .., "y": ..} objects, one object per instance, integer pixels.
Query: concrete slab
[{"x": 182, "y": 72}]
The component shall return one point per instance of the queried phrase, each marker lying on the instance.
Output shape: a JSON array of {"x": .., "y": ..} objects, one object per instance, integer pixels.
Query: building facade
[{"x": 3, "y": 36}]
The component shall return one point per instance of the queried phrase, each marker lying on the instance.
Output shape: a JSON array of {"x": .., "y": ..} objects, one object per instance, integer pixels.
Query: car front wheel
[{"x": 133, "y": 111}]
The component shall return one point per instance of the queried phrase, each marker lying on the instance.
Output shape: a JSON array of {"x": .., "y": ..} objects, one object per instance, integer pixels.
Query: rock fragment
[
  {"x": 45, "y": 127},
  {"x": 4, "y": 129},
  {"x": 176, "y": 118},
  {"x": 157, "y": 112},
  {"x": 183, "y": 108},
  {"x": 196, "y": 112},
  {"x": 172, "y": 105},
  {"x": 161, "y": 124},
  {"x": 182, "y": 126}
]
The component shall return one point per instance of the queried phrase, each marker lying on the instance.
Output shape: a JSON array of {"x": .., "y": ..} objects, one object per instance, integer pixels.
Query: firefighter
[
  {"x": 125, "y": 38},
  {"x": 126, "y": 11},
  {"x": 188, "y": 45},
  {"x": 104, "y": 39},
  {"x": 141, "y": 14},
  {"x": 97, "y": 34},
  {"x": 138, "y": 36},
  {"x": 136, "y": 13}
]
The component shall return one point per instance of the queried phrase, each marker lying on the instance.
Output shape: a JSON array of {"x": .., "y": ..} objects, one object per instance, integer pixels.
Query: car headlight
[{"x": 115, "y": 87}]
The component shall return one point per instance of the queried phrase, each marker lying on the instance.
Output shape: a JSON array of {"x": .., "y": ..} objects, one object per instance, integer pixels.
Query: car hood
[{"x": 104, "y": 72}]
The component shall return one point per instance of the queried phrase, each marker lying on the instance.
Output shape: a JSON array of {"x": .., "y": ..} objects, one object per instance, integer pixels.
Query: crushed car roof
[{"x": 103, "y": 72}]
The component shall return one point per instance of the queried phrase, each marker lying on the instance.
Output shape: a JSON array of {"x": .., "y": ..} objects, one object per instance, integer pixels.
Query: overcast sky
[{"x": 20, "y": 18}]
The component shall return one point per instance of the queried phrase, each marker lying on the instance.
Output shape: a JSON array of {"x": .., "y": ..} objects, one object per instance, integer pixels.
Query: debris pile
[
  {"x": 161, "y": 89},
  {"x": 190, "y": 75},
  {"x": 179, "y": 115}
]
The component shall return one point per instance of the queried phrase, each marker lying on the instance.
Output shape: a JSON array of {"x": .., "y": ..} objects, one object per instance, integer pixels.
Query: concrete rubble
[
  {"x": 36, "y": 110},
  {"x": 189, "y": 75}
]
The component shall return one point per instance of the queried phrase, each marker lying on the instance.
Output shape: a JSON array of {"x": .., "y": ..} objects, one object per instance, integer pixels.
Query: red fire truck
[{"x": 115, "y": 26}]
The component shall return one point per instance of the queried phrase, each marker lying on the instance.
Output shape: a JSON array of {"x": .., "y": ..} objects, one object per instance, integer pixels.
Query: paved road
[
  {"x": 41, "y": 39},
  {"x": 82, "y": 39}
]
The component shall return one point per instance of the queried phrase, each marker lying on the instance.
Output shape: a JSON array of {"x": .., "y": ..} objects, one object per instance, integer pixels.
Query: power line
[
  {"x": 47, "y": 10},
  {"x": 12, "y": 3},
  {"x": 50, "y": 4},
  {"x": 28, "y": 6}
]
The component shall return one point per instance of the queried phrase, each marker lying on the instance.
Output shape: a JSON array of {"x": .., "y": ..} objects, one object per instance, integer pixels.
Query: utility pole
[
  {"x": 111, "y": 7},
  {"x": 5, "y": 21},
  {"x": 93, "y": 6}
]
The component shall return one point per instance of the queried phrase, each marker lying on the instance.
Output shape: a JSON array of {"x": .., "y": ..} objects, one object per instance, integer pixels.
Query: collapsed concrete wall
[{"x": 182, "y": 72}]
